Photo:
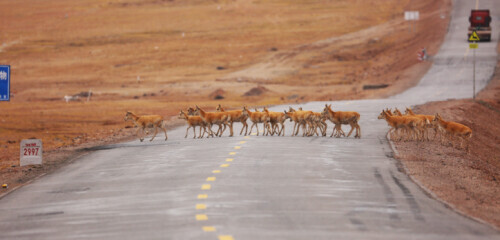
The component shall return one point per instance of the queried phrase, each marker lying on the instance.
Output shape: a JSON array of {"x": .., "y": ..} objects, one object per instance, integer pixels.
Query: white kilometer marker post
[{"x": 31, "y": 152}]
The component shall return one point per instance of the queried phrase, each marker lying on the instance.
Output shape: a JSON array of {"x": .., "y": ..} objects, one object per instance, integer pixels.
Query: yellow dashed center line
[
  {"x": 208, "y": 229},
  {"x": 202, "y": 196},
  {"x": 253, "y": 134},
  {"x": 225, "y": 237},
  {"x": 201, "y": 217},
  {"x": 201, "y": 206},
  {"x": 210, "y": 179}
]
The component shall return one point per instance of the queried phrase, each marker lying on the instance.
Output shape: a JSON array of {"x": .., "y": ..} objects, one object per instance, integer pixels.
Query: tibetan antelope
[
  {"x": 409, "y": 125},
  {"x": 428, "y": 122},
  {"x": 193, "y": 122},
  {"x": 338, "y": 118},
  {"x": 235, "y": 116},
  {"x": 301, "y": 118},
  {"x": 257, "y": 117},
  {"x": 212, "y": 118},
  {"x": 147, "y": 121},
  {"x": 276, "y": 118},
  {"x": 422, "y": 124},
  {"x": 317, "y": 120},
  {"x": 454, "y": 129}
]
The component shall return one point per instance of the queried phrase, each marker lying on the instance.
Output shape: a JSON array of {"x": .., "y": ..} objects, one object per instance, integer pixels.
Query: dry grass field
[{"x": 160, "y": 56}]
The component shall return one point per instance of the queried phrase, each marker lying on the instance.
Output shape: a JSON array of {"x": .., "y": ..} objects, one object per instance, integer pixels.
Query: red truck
[{"x": 480, "y": 22}]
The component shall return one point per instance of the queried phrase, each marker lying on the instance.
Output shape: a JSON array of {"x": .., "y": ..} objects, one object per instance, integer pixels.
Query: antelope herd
[
  {"x": 416, "y": 127},
  {"x": 403, "y": 127},
  {"x": 273, "y": 122}
]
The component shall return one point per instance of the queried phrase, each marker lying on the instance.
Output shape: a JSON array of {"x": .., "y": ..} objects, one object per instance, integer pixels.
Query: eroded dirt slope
[{"x": 469, "y": 182}]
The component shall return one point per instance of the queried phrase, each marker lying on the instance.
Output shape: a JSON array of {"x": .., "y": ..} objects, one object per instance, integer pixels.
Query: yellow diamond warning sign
[{"x": 474, "y": 37}]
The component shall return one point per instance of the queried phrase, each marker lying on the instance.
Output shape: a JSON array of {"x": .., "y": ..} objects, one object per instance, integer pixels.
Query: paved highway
[{"x": 259, "y": 187}]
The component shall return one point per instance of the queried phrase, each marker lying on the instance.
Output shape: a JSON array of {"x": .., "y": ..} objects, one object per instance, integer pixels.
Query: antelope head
[
  {"x": 382, "y": 115},
  {"x": 128, "y": 116},
  {"x": 245, "y": 111},
  {"x": 197, "y": 111},
  {"x": 407, "y": 111},
  {"x": 182, "y": 115},
  {"x": 288, "y": 115},
  {"x": 324, "y": 113}
]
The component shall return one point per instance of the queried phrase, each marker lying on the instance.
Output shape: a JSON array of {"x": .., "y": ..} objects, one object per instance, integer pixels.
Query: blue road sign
[{"x": 4, "y": 83}]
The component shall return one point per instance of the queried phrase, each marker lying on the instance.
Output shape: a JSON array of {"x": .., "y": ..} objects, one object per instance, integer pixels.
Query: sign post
[
  {"x": 31, "y": 152},
  {"x": 4, "y": 83},
  {"x": 474, "y": 38},
  {"x": 412, "y": 16}
]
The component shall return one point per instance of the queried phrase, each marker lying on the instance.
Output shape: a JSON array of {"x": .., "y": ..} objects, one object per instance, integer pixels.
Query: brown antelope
[
  {"x": 301, "y": 118},
  {"x": 428, "y": 120},
  {"x": 397, "y": 130},
  {"x": 257, "y": 117},
  {"x": 317, "y": 120},
  {"x": 276, "y": 118},
  {"x": 193, "y": 121},
  {"x": 212, "y": 118},
  {"x": 454, "y": 129},
  {"x": 235, "y": 116},
  {"x": 293, "y": 118},
  {"x": 147, "y": 121},
  {"x": 291, "y": 115},
  {"x": 407, "y": 124},
  {"x": 422, "y": 124},
  {"x": 306, "y": 119},
  {"x": 339, "y": 118}
]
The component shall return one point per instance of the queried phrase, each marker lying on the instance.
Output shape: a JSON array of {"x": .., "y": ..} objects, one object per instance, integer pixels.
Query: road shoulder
[{"x": 470, "y": 183}]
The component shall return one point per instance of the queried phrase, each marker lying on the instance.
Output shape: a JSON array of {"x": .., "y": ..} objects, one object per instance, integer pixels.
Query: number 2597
[{"x": 30, "y": 151}]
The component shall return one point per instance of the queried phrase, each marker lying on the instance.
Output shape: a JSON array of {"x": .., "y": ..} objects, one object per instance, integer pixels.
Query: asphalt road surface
[{"x": 259, "y": 187}]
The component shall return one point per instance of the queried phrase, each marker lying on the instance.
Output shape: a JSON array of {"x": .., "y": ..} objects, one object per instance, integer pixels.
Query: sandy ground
[
  {"x": 468, "y": 182},
  {"x": 157, "y": 57}
]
